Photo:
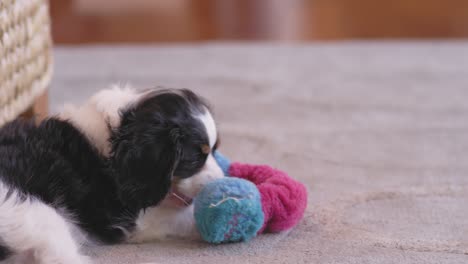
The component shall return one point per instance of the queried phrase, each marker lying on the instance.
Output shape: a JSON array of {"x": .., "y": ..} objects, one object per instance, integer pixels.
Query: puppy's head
[
  {"x": 164, "y": 143},
  {"x": 160, "y": 143}
]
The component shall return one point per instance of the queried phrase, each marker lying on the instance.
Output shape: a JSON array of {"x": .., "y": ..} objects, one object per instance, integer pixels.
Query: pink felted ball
[{"x": 284, "y": 199}]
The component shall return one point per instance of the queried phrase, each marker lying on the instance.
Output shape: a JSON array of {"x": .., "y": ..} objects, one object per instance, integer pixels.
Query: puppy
[{"x": 122, "y": 167}]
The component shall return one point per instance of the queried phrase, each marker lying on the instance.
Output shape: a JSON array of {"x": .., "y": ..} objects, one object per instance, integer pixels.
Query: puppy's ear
[{"x": 144, "y": 158}]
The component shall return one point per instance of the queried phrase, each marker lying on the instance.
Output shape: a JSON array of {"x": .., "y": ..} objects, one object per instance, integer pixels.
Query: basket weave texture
[{"x": 25, "y": 55}]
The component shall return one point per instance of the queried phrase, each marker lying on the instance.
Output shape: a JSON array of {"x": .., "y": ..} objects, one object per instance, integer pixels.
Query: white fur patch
[
  {"x": 101, "y": 110},
  {"x": 35, "y": 231},
  {"x": 210, "y": 126},
  {"x": 111, "y": 101},
  {"x": 163, "y": 222}
]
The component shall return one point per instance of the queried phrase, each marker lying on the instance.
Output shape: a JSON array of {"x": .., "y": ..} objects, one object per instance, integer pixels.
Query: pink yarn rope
[{"x": 284, "y": 199}]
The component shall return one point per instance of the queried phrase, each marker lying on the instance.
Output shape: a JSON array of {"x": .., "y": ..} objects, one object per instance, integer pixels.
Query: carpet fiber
[{"x": 378, "y": 133}]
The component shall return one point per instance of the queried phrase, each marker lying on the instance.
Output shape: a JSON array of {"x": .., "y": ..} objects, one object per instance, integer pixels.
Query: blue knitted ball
[
  {"x": 228, "y": 210},
  {"x": 223, "y": 162}
]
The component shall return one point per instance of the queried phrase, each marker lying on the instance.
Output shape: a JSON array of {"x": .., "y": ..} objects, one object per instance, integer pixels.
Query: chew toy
[{"x": 253, "y": 200}]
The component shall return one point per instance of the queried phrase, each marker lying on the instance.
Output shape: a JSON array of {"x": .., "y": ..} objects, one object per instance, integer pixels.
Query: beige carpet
[{"x": 378, "y": 133}]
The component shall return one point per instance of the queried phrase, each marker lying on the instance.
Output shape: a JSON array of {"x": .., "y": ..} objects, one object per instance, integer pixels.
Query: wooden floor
[
  {"x": 144, "y": 21},
  {"x": 91, "y": 21}
]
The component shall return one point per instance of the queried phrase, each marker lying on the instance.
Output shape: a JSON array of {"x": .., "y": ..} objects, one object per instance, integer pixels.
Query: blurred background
[{"x": 144, "y": 21}]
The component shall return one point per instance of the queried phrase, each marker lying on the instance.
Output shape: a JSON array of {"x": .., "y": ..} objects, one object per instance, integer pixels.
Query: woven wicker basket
[{"x": 25, "y": 55}]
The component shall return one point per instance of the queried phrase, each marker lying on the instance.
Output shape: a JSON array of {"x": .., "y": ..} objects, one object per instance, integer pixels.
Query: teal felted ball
[{"x": 228, "y": 210}]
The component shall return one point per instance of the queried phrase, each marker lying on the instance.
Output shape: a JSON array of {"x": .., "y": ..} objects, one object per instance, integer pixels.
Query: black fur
[
  {"x": 4, "y": 252},
  {"x": 53, "y": 161}
]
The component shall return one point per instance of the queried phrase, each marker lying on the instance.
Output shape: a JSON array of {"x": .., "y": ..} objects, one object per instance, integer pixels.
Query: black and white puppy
[{"x": 122, "y": 167}]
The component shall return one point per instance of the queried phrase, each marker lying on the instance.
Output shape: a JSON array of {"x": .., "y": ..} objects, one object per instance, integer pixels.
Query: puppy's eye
[{"x": 205, "y": 149}]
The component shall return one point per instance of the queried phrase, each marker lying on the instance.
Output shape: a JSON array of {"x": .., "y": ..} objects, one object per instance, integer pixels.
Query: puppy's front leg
[{"x": 164, "y": 222}]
